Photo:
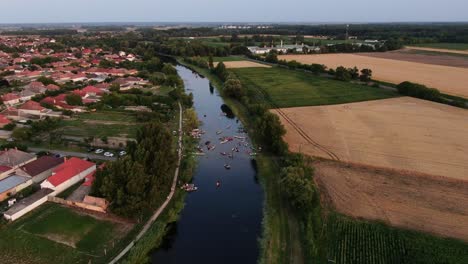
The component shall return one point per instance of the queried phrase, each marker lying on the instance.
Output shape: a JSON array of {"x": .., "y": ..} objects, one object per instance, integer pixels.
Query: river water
[{"x": 218, "y": 224}]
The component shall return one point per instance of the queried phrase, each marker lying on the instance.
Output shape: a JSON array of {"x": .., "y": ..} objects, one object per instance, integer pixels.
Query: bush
[{"x": 419, "y": 91}]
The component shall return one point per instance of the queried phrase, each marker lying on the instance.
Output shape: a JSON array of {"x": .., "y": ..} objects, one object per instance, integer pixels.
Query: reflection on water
[{"x": 227, "y": 110}]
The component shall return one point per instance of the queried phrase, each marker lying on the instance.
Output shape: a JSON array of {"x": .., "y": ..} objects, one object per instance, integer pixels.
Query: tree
[
  {"x": 115, "y": 87},
  {"x": 210, "y": 62},
  {"x": 233, "y": 88},
  {"x": 342, "y": 74},
  {"x": 9, "y": 127},
  {"x": 271, "y": 130},
  {"x": 272, "y": 57},
  {"x": 22, "y": 133},
  {"x": 354, "y": 73},
  {"x": 366, "y": 75},
  {"x": 220, "y": 71},
  {"x": 106, "y": 64},
  {"x": 169, "y": 69},
  {"x": 73, "y": 99},
  {"x": 46, "y": 81},
  {"x": 298, "y": 186},
  {"x": 191, "y": 117}
]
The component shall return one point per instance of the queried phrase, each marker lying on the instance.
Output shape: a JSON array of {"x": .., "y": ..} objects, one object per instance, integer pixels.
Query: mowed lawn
[
  {"x": 81, "y": 128},
  {"x": 107, "y": 115},
  {"x": 56, "y": 234},
  {"x": 288, "y": 88}
]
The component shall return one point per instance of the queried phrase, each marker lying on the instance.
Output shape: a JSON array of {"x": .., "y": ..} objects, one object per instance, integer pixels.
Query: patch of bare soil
[
  {"x": 409, "y": 55},
  {"x": 431, "y": 204}
]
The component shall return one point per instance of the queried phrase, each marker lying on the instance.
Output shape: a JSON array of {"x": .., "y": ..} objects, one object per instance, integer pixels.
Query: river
[{"x": 218, "y": 224}]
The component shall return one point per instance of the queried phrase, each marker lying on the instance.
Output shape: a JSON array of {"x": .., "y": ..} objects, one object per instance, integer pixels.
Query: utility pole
[{"x": 347, "y": 32}]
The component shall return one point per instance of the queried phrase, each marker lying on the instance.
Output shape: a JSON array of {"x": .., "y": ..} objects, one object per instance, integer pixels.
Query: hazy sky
[{"x": 41, "y": 11}]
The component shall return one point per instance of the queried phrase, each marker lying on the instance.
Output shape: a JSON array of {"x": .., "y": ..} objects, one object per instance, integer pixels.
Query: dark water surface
[{"x": 218, "y": 224}]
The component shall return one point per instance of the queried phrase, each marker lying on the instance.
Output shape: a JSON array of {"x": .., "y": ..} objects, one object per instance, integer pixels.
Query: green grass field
[
  {"x": 288, "y": 88},
  {"x": 80, "y": 128},
  {"x": 352, "y": 241},
  {"x": 108, "y": 115},
  {"x": 452, "y": 46},
  {"x": 55, "y": 234},
  {"x": 229, "y": 58}
]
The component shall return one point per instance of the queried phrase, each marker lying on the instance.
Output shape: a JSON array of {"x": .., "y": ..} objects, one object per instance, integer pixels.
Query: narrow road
[
  {"x": 164, "y": 205},
  {"x": 76, "y": 154}
]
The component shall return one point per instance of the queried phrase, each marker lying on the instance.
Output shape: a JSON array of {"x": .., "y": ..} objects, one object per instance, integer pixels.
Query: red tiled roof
[
  {"x": 60, "y": 97},
  {"x": 52, "y": 87},
  {"x": 31, "y": 105},
  {"x": 9, "y": 97},
  {"x": 69, "y": 169},
  {"x": 4, "y": 168},
  {"x": 4, "y": 120},
  {"x": 48, "y": 100},
  {"x": 79, "y": 92},
  {"x": 92, "y": 89}
]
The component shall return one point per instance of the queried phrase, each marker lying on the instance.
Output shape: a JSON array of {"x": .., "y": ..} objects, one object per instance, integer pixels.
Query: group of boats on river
[{"x": 240, "y": 144}]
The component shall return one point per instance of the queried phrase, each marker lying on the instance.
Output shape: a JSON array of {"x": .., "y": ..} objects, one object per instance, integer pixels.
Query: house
[
  {"x": 15, "y": 158},
  {"x": 93, "y": 91},
  {"x": 37, "y": 87},
  {"x": 40, "y": 169},
  {"x": 10, "y": 99},
  {"x": 27, "y": 204},
  {"x": 5, "y": 171},
  {"x": 19, "y": 60},
  {"x": 4, "y": 121},
  {"x": 52, "y": 87},
  {"x": 68, "y": 173},
  {"x": 26, "y": 95},
  {"x": 32, "y": 108},
  {"x": 13, "y": 184}
]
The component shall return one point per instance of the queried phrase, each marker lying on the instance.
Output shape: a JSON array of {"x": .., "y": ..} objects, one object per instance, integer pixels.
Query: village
[{"x": 40, "y": 84}]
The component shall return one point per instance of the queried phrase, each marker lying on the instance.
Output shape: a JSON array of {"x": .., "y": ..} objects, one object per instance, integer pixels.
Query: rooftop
[
  {"x": 11, "y": 182},
  {"x": 41, "y": 164}
]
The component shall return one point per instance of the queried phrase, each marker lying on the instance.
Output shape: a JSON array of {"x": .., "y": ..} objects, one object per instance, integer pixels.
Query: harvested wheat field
[
  {"x": 436, "y": 58},
  {"x": 425, "y": 203},
  {"x": 450, "y": 80},
  {"x": 400, "y": 133},
  {"x": 439, "y": 50},
  {"x": 243, "y": 64}
]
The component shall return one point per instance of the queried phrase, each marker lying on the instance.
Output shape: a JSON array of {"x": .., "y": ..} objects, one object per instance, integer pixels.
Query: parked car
[
  {"x": 122, "y": 153},
  {"x": 91, "y": 149},
  {"x": 99, "y": 151},
  {"x": 109, "y": 154}
]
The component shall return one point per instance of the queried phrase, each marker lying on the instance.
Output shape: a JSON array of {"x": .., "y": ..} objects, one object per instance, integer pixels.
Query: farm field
[
  {"x": 354, "y": 241},
  {"x": 55, "y": 234},
  {"x": 243, "y": 64},
  {"x": 446, "y": 46},
  {"x": 426, "y": 57},
  {"x": 288, "y": 88},
  {"x": 450, "y": 80},
  {"x": 453, "y": 51},
  {"x": 399, "y": 133},
  {"x": 406, "y": 200}
]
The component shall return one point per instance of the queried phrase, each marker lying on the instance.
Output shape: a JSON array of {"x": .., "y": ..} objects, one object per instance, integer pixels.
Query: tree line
[{"x": 136, "y": 184}]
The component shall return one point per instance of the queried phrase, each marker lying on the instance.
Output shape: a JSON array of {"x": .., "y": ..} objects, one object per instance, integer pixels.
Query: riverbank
[
  {"x": 154, "y": 235},
  {"x": 281, "y": 238}
]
